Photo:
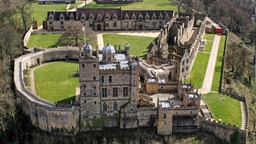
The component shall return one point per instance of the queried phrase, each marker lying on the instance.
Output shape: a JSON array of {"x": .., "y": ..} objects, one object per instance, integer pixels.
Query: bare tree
[{"x": 74, "y": 32}]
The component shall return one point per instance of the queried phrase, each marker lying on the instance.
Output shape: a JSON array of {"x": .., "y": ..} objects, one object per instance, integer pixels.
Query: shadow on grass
[
  {"x": 67, "y": 100},
  {"x": 144, "y": 56}
]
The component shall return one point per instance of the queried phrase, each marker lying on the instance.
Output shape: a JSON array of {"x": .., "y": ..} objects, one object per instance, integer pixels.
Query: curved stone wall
[{"x": 44, "y": 114}]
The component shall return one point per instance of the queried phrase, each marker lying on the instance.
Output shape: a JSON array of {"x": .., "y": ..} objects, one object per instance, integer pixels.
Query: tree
[
  {"x": 25, "y": 11},
  {"x": 75, "y": 33}
]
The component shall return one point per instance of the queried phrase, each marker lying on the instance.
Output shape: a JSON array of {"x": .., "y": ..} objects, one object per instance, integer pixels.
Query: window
[
  {"x": 187, "y": 61},
  {"x": 94, "y": 102},
  {"x": 104, "y": 92},
  {"x": 125, "y": 91},
  {"x": 114, "y": 24},
  {"x": 50, "y": 22},
  {"x": 110, "y": 79},
  {"x": 106, "y": 24},
  {"x": 176, "y": 70},
  {"x": 183, "y": 70},
  {"x": 164, "y": 116},
  {"x": 84, "y": 94},
  {"x": 126, "y": 24},
  {"x": 186, "y": 68},
  {"x": 94, "y": 87},
  {"x": 94, "y": 93},
  {"x": 183, "y": 62},
  {"x": 61, "y": 22},
  {"x": 82, "y": 65},
  {"x": 85, "y": 101},
  {"x": 91, "y": 24},
  {"x": 146, "y": 24},
  {"x": 115, "y": 92},
  {"x": 62, "y": 27},
  {"x": 133, "y": 24},
  {"x": 94, "y": 65},
  {"x": 102, "y": 79},
  {"x": 94, "y": 78},
  {"x": 104, "y": 107},
  {"x": 115, "y": 107},
  {"x": 153, "y": 24}
]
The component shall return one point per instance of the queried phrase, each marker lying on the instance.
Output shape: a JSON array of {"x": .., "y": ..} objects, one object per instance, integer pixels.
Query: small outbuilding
[{"x": 218, "y": 30}]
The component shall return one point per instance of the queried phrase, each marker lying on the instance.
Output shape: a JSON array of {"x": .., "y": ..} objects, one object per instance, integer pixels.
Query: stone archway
[
  {"x": 98, "y": 26},
  {"x": 140, "y": 27}
]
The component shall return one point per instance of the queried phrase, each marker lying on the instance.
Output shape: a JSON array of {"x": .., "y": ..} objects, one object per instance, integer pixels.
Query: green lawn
[
  {"x": 228, "y": 110},
  {"x": 145, "y": 5},
  {"x": 40, "y": 10},
  {"x": 138, "y": 45},
  {"x": 43, "y": 40},
  {"x": 218, "y": 72},
  {"x": 208, "y": 46},
  {"x": 209, "y": 37},
  {"x": 75, "y": 5},
  {"x": 199, "y": 69},
  {"x": 55, "y": 83}
]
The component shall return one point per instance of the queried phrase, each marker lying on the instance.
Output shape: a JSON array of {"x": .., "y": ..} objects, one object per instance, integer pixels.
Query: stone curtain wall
[
  {"x": 221, "y": 130},
  {"x": 27, "y": 35},
  {"x": 44, "y": 114}
]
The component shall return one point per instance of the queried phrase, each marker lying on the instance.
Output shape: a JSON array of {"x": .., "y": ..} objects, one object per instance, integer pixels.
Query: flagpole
[{"x": 84, "y": 36}]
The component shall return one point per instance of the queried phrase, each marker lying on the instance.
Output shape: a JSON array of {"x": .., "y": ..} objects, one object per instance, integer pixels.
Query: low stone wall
[
  {"x": 222, "y": 130},
  {"x": 27, "y": 35},
  {"x": 44, "y": 114}
]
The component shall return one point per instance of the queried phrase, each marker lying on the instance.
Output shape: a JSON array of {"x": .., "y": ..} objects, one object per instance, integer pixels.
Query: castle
[{"x": 118, "y": 90}]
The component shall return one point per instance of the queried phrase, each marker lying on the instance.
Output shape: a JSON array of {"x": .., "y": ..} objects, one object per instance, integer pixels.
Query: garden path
[{"x": 208, "y": 78}]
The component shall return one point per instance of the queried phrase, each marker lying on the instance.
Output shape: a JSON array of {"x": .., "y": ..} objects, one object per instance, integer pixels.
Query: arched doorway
[
  {"x": 140, "y": 27},
  {"x": 98, "y": 27}
]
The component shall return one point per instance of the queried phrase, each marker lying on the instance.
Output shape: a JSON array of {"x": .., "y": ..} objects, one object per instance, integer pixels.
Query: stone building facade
[
  {"x": 116, "y": 1},
  {"x": 108, "y": 86},
  {"x": 101, "y": 19},
  {"x": 177, "y": 45}
]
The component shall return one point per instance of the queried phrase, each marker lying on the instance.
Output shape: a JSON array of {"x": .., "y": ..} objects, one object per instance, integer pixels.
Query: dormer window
[
  {"x": 71, "y": 16},
  {"x": 61, "y": 16},
  {"x": 114, "y": 17},
  {"x": 140, "y": 17},
  {"x": 126, "y": 16},
  {"x": 160, "y": 17},
  {"x": 154, "y": 16},
  {"x": 91, "y": 17},
  {"x": 147, "y": 17},
  {"x": 99, "y": 17},
  {"x": 133, "y": 16},
  {"x": 167, "y": 16},
  {"x": 51, "y": 17},
  {"x": 107, "y": 16},
  {"x": 83, "y": 17}
]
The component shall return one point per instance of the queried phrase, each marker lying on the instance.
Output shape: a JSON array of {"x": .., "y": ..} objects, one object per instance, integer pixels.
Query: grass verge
[
  {"x": 208, "y": 46},
  {"x": 43, "y": 40},
  {"x": 218, "y": 66},
  {"x": 228, "y": 109},
  {"x": 55, "y": 83},
  {"x": 199, "y": 68},
  {"x": 145, "y": 5},
  {"x": 138, "y": 45},
  {"x": 209, "y": 37}
]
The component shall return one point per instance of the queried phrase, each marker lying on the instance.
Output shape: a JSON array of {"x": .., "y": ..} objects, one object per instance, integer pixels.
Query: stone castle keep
[{"x": 118, "y": 90}]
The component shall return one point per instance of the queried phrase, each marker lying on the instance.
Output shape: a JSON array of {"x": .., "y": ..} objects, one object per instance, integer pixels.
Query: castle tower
[
  {"x": 89, "y": 89},
  {"x": 164, "y": 123}
]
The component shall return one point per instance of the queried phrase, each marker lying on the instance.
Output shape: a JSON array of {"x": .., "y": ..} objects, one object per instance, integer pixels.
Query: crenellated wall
[
  {"x": 222, "y": 130},
  {"x": 146, "y": 116}
]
